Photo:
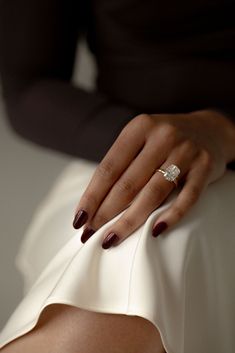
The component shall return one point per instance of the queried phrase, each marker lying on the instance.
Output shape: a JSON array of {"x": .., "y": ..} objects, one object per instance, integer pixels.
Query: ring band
[{"x": 170, "y": 173}]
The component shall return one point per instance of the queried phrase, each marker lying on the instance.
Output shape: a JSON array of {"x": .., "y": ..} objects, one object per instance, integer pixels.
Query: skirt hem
[{"x": 117, "y": 310}]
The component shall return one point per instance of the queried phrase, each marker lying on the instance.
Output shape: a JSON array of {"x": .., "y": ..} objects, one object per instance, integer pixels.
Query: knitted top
[{"x": 152, "y": 57}]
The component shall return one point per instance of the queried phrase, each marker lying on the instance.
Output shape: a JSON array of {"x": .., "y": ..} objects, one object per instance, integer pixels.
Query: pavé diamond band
[{"x": 170, "y": 173}]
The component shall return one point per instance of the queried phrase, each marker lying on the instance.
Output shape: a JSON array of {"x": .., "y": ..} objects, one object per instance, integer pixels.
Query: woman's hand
[{"x": 200, "y": 143}]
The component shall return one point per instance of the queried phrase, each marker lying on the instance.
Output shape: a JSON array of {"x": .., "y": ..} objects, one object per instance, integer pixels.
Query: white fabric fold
[{"x": 183, "y": 281}]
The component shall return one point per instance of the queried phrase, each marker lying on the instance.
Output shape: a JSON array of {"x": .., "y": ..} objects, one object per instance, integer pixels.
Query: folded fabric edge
[{"x": 114, "y": 310}]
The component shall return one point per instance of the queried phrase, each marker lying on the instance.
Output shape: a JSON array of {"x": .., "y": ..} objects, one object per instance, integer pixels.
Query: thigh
[{"x": 64, "y": 328}]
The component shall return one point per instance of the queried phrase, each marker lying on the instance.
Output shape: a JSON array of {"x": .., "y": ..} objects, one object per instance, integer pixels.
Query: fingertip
[
  {"x": 87, "y": 233},
  {"x": 159, "y": 228},
  {"x": 80, "y": 219},
  {"x": 110, "y": 240}
]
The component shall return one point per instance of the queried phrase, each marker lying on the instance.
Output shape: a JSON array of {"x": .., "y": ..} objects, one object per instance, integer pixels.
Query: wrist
[
  {"x": 229, "y": 129},
  {"x": 226, "y": 127}
]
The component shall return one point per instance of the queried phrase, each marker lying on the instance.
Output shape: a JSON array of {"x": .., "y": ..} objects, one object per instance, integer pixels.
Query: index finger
[{"x": 125, "y": 148}]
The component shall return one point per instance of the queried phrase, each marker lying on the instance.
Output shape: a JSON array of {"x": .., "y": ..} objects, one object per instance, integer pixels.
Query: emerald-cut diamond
[{"x": 171, "y": 172}]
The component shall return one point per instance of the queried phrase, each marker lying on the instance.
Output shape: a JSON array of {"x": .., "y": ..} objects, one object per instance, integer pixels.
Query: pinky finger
[{"x": 196, "y": 181}]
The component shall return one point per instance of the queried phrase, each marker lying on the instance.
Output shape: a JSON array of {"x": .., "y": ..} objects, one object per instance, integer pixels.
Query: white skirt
[{"x": 183, "y": 281}]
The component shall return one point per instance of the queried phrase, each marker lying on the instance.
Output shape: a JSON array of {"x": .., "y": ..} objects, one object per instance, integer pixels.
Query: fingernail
[
  {"x": 109, "y": 240},
  {"x": 159, "y": 227},
  {"x": 80, "y": 219},
  {"x": 87, "y": 233}
]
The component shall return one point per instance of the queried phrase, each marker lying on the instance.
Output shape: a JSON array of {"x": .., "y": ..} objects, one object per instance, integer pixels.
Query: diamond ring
[{"x": 170, "y": 173}]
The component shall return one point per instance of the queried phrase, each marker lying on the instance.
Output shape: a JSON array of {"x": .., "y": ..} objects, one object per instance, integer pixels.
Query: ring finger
[
  {"x": 127, "y": 186},
  {"x": 150, "y": 197}
]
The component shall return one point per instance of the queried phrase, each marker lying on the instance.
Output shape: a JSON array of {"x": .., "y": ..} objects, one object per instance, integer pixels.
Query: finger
[
  {"x": 125, "y": 148},
  {"x": 128, "y": 185},
  {"x": 196, "y": 181},
  {"x": 150, "y": 197}
]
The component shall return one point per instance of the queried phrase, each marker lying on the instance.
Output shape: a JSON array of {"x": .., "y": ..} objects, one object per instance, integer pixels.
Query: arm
[
  {"x": 38, "y": 42},
  {"x": 229, "y": 113}
]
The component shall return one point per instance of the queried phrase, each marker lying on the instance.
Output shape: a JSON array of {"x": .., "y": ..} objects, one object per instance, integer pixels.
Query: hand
[{"x": 200, "y": 143}]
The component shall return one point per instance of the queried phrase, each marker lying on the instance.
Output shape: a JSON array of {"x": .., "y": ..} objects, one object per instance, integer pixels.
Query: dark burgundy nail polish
[
  {"x": 160, "y": 227},
  {"x": 87, "y": 233},
  {"x": 110, "y": 240},
  {"x": 80, "y": 219}
]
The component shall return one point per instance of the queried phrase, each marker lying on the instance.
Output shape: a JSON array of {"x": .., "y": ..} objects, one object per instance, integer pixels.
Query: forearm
[
  {"x": 38, "y": 41},
  {"x": 57, "y": 115}
]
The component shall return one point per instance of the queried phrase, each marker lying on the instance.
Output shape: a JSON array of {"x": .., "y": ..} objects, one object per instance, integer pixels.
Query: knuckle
[
  {"x": 125, "y": 131},
  {"x": 179, "y": 212},
  {"x": 143, "y": 121},
  {"x": 194, "y": 193},
  {"x": 189, "y": 146},
  {"x": 144, "y": 118},
  {"x": 207, "y": 160},
  {"x": 88, "y": 198},
  {"x": 140, "y": 124},
  {"x": 99, "y": 220},
  {"x": 128, "y": 223},
  {"x": 106, "y": 169},
  {"x": 127, "y": 185},
  {"x": 170, "y": 133}
]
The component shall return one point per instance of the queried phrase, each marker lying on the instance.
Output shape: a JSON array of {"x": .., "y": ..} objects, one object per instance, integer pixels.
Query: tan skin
[{"x": 200, "y": 143}]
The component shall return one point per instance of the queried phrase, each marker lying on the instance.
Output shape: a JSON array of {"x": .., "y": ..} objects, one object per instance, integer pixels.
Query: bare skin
[{"x": 63, "y": 328}]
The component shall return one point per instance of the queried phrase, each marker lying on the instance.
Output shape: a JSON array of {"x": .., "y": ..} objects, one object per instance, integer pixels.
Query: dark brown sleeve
[{"x": 38, "y": 41}]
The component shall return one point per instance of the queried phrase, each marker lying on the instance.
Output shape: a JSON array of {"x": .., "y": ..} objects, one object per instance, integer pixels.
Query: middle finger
[
  {"x": 151, "y": 196},
  {"x": 128, "y": 186}
]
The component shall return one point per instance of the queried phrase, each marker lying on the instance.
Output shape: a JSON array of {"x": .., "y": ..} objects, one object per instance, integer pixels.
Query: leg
[{"x": 63, "y": 328}]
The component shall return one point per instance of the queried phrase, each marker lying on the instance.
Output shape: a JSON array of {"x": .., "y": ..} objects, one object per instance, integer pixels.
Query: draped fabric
[{"x": 183, "y": 281}]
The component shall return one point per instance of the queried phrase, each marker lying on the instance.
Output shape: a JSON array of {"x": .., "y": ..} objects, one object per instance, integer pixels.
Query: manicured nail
[
  {"x": 109, "y": 240},
  {"x": 159, "y": 227},
  {"x": 87, "y": 233},
  {"x": 80, "y": 219}
]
